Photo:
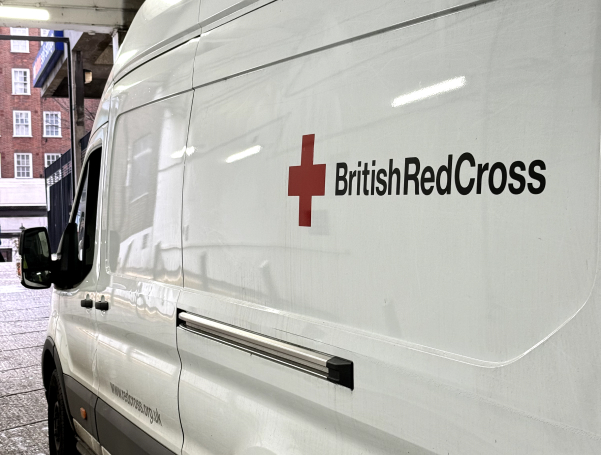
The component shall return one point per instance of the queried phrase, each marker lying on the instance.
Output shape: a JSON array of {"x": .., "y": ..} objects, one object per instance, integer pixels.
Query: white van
[{"x": 342, "y": 227}]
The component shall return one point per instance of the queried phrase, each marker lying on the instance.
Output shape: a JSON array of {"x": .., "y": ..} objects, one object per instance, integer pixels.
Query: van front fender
[{"x": 51, "y": 362}]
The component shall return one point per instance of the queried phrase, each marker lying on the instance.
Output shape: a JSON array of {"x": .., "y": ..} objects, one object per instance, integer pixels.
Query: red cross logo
[{"x": 306, "y": 181}]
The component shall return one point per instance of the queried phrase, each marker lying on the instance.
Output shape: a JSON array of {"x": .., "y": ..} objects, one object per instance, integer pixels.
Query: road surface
[{"x": 23, "y": 322}]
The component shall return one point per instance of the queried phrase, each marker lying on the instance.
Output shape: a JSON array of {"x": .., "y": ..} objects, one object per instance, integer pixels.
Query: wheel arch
[{"x": 51, "y": 362}]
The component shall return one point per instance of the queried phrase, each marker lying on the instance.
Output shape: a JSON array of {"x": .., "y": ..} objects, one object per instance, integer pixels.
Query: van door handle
[
  {"x": 102, "y": 305},
  {"x": 87, "y": 302}
]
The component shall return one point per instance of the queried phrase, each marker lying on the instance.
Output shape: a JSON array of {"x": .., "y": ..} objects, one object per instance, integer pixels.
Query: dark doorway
[{"x": 7, "y": 254}]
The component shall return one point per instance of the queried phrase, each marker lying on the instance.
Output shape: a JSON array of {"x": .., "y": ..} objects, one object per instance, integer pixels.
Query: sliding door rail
[{"x": 319, "y": 364}]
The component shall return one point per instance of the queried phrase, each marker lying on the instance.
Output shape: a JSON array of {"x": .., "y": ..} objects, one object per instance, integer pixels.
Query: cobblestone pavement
[{"x": 23, "y": 321}]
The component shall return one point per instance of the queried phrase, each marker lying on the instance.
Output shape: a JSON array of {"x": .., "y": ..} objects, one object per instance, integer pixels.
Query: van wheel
[{"x": 60, "y": 435}]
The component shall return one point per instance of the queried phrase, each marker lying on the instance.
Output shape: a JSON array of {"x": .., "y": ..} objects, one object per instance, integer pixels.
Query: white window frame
[
  {"x": 48, "y": 155},
  {"x": 15, "y": 124},
  {"x": 17, "y": 165},
  {"x": 47, "y": 124},
  {"x": 27, "y": 89},
  {"x": 14, "y": 44}
]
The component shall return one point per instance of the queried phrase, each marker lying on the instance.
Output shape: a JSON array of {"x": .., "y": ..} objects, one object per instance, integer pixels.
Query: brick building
[{"x": 34, "y": 131}]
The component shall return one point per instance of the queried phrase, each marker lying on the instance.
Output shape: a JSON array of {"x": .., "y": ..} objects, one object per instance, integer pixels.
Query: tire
[{"x": 61, "y": 439}]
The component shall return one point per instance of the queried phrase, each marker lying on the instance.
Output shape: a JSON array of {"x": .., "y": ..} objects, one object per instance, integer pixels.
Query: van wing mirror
[{"x": 36, "y": 262}]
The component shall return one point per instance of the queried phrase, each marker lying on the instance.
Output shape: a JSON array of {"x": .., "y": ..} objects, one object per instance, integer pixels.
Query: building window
[
  {"x": 19, "y": 46},
  {"x": 52, "y": 124},
  {"x": 23, "y": 165},
  {"x": 50, "y": 158},
  {"x": 21, "y": 124},
  {"x": 20, "y": 81}
]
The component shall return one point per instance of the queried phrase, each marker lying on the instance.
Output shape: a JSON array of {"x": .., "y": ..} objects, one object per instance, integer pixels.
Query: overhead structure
[
  {"x": 80, "y": 40},
  {"x": 97, "y": 57},
  {"x": 91, "y": 30},
  {"x": 100, "y": 16}
]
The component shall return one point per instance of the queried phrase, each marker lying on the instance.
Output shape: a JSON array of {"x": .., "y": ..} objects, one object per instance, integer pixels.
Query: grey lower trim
[
  {"x": 83, "y": 449},
  {"x": 80, "y": 397},
  {"x": 120, "y": 436},
  {"x": 92, "y": 444},
  {"x": 319, "y": 364}
]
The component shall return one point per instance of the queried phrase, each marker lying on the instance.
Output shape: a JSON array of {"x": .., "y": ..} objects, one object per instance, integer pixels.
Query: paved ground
[{"x": 23, "y": 322}]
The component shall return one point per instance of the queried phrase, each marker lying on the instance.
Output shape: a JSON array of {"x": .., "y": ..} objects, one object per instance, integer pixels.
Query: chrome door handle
[{"x": 102, "y": 305}]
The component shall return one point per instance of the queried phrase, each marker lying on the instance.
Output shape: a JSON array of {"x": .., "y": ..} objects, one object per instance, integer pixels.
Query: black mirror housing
[{"x": 36, "y": 260}]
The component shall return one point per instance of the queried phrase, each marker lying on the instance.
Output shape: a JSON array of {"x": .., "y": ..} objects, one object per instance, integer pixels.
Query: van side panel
[
  {"x": 140, "y": 265},
  {"x": 482, "y": 275},
  {"x": 164, "y": 76},
  {"x": 102, "y": 114},
  {"x": 149, "y": 152},
  {"x": 284, "y": 29},
  {"x": 137, "y": 353},
  {"x": 72, "y": 327},
  {"x": 462, "y": 313},
  {"x": 156, "y": 24},
  {"x": 144, "y": 217},
  {"x": 230, "y": 400},
  {"x": 214, "y": 13}
]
